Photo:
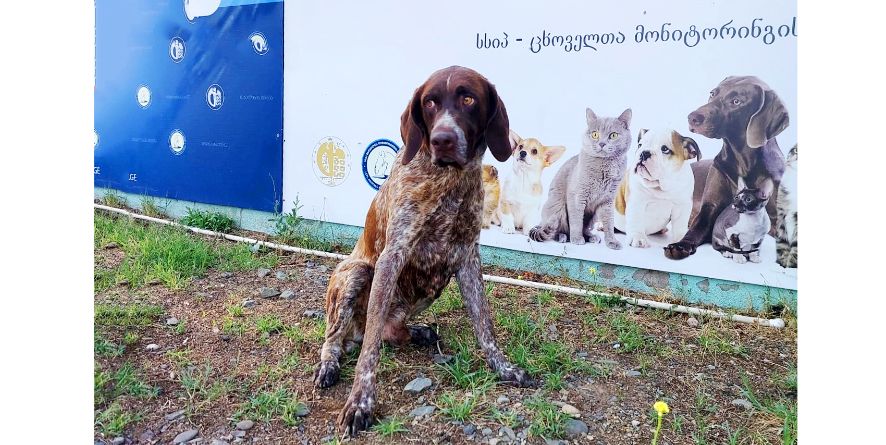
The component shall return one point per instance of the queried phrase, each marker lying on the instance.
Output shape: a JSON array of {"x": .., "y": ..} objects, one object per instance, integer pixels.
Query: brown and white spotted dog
[{"x": 421, "y": 229}]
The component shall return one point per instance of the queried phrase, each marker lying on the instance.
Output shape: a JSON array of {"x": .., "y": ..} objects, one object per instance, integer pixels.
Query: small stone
[
  {"x": 494, "y": 441},
  {"x": 616, "y": 346},
  {"x": 310, "y": 264},
  {"x": 245, "y": 425},
  {"x": 327, "y": 439},
  {"x": 218, "y": 442},
  {"x": 171, "y": 321},
  {"x": 442, "y": 359},
  {"x": 174, "y": 415},
  {"x": 422, "y": 411},
  {"x": 263, "y": 272},
  {"x": 118, "y": 441},
  {"x": 147, "y": 436},
  {"x": 575, "y": 428},
  {"x": 486, "y": 431},
  {"x": 314, "y": 313},
  {"x": 154, "y": 282},
  {"x": 225, "y": 337},
  {"x": 185, "y": 436},
  {"x": 247, "y": 303},
  {"x": 635, "y": 423},
  {"x": 502, "y": 400},
  {"x": 507, "y": 432},
  {"x": 152, "y": 347},
  {"x": 302, "y": 410},
  {"x": 633, "y": 373},
  {"x": 570, "y": 410},
  {"x": 418, "y": 385},
  {"x": 268, "y": 292},
  {"x": 712, "y": 367},
  {"x": 280, "y": 275},
  {"x": 123, "y": 283},
  {"x": 469, "y": 430},
  {"x": 553, "y": 442},
  {"x": 287, "y": 294},
  {"x": 216, "y": 330},
  {"x": 238, "y": 434},
  {"x": 226, "y": 275},
  {"x": 743, "y": 403},
  {"x": 692, "y": 321},
  {"x": 322, "y": 268},
  {"x": 111, "y": 246}
]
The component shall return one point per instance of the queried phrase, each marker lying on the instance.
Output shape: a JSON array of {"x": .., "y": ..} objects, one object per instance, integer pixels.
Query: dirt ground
[{"x": 222, "y": 361}]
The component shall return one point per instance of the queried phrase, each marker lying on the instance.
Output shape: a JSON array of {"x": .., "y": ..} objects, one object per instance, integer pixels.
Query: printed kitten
[
  {"x": 584, "y": 188},
  {"x": 740, "y": 228},
  {"x": 786, "y": 232}
]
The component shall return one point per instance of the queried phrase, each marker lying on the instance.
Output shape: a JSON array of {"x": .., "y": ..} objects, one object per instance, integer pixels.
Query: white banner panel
[{"x": 351, "y": 68}]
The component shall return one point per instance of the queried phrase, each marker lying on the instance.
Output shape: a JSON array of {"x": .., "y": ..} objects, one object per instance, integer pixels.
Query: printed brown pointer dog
[
  {"x": 747, "y": 115},
  {"x": 421, "y": 229}
]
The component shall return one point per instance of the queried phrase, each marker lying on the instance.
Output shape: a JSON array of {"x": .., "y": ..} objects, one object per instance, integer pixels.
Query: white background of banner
[{"x": 350, "y": 71}]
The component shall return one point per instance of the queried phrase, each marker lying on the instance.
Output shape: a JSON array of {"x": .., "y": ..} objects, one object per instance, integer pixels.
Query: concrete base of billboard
[{"x": 690, "y": 289}]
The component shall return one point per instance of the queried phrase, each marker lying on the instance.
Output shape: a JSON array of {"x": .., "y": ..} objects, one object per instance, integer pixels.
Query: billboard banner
[
  {"x": 674, "y": 123},
  {"x": 189, "y": 100}
]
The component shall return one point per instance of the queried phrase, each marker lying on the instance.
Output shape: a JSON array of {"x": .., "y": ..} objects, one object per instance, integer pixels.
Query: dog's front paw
[
  {"x": 357, "y": 413},
  {"x": 579, "y": 240},
  {"x": 638, "y": 241},
  {"x": 515, "y": 376},
  {"x": 509, "y": 228},
  {"x": 326, "y": 374},
  {"x": 423, "y": 335},
  {"x": 739, "y": 258},
  {"x": 613, "y": 244},
  {"x": 679, "y": 250}
]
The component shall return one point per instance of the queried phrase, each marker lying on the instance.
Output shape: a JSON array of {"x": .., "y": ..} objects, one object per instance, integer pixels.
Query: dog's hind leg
[{"x": 348, "y": 290}]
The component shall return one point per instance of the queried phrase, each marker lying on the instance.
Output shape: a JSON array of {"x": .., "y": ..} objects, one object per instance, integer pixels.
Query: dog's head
[
  {"x": 455, "y": 115},
  {"x": 531, "y": 156},
  {"x": 741, "y": 108},
  {"x": 660, "y": 154}
]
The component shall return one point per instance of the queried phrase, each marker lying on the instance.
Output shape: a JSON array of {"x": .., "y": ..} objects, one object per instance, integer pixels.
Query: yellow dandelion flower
[
  {"x": 592, "y": 270},
  {"x": 661, "y": 408}
]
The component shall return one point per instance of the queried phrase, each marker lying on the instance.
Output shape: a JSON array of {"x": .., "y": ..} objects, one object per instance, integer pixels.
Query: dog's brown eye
[
  {"x": 468, "y": 100},
  {"x": 665, "y": 149},
  {"x": 613, "y": 135},
  {"x": 736, "y": 102},
  {"x": 430, "y": 103},
  {"x": 534, "y": 151}
]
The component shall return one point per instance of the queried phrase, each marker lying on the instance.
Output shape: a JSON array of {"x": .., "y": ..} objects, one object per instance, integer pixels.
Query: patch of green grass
[
  {"x": 130, "y": 338},
  {"x": 467, "y": 373},
  {"x": 554, "y": 381},
  {"x": 181, "y": 327},
  {"x": 629, "y": 334},
  {"x": 783, "y": 409},
  {"x": 390, "y": 426},
  {"x": 677, "y": 424},
  {"x": 103, "y": 347},
  {"x": 714, "y": 342},
  {"x": 235, "y": 309},
  {"x": 505, "y": 417},
  {"x": 200, "y": 388},
  {"x": 124, "y": 381},
  {"x": 131, "y": 315},
  {"x": 548, "y": 421},
  {"x": 457, "y": 408},
  {"x": 266, "y": 405},
  {"x": 113, "y": 420},
  {"x": 209, "y": 220},
  {"x": 450, "y": 300},
  {"x": 544, "y": 298},
  {"x": 150, "y": 208},
  {"x": 294, "y": 334},
  {"x": 113, "y": 198},
  {"x": 267, "y": 325},
  {"x": 233, "y": 327},
  {"x": 181, "y": 357}
]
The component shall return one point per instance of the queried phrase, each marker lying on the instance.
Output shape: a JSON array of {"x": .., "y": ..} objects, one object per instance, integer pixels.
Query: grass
[
  {"x": 209, "y": 220},
  {"x": 126, "y": 315},
  {"x": 113, "y": 420},
  {"x": 292, "y": 229},
  {"x": 150, "y": 208},
  {"x": 267, "y": 325},
  {"x": 168, "y": 254},
  {"x": 124, "y": 381},
  {"x": 783, "y": 409},
  {"x": 715, "y": 342},
  {"x": 199, "y": 387},
  {"x": 548, "y": 421},
  {"x": 629, "y": 334},
  {"x": 113, "y": 198},
  {"x": 267, "y": 405},
  {"x": 105, "y": 348},
  {"x": 457, "y": 408},
  {"x": 450, "y": 300},
  {"x": 390, "y": 426}
]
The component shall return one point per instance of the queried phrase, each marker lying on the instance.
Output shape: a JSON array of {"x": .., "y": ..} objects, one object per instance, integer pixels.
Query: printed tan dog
[
  {"x": 657, "y": 189},
  {"x": 422, "y": 228},
  {"x": 491, "y": 194},
  {"x": 522, "y": 193}
]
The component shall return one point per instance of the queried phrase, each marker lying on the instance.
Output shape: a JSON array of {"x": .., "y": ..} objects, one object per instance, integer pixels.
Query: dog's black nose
[
  {"x": 443, "y": 139},
  {"x": 644, "y": 155},
  {"x": 522, "y": 154},
  {"x": 696, "y": 118}
]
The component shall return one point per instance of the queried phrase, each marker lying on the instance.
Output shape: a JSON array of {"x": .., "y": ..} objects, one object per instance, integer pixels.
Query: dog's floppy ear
[
  {"x": 770, "y": 120},
  {"x": 553, "y": 153},
  {"x": 642, "y": 132},
  {"x": 497, "y": 128},
  {"x": 691, "y": 148},
  {"x": 412, "y": 127},
  {"x": 515, "y": 139}
]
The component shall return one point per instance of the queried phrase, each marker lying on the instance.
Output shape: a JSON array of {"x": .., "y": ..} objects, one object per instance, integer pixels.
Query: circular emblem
[
  {"x": 332, "y": 162},
  {"x": 177, "y": 142},
  {"x": 259, "y": 43},
  {"x": 143, "y": 96},
  {"x": 215, "y": 97},
  {"x": 177, "y": 49},
  {"x": 378, "y": 159},
  {"x": 94, "y": 139}
]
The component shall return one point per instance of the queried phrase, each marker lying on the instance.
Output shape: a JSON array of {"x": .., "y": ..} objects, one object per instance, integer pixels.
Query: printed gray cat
[
  {"x": 740, "y": 228},
  {"x": 584, "y": 188},
  {"x": 786, "y": 209}
]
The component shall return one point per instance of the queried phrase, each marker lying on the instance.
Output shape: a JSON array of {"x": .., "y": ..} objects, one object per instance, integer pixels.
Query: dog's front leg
[
  {"x": 635, "y": 213},
  {"x": 358, "y": 411},
  {"x": 470, "y": 282},
  {"x": 680, "y": 220},
  {"x": 717, "y": 195}
]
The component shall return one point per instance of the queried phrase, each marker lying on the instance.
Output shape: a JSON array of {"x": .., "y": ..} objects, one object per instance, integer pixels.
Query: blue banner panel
[{"x": 189, "y": 100}]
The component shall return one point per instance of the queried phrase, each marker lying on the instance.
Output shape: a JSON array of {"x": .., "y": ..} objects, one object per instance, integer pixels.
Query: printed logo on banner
[
  {"x": 332, "y": 161},
  {"x": 215, "y": 97},
  {"x": 378, "y": 159},
  {"x": 94, "y": 139},
  {"x": 143, "y": 96},
  {"x": 177, "y": 49},
  {"x": 199, "y": 8},
  {"x": 177, "y": 142},
  {"x": 259, "y": 43}
]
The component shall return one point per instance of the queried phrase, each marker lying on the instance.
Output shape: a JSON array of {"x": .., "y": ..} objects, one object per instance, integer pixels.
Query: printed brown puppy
[
  {"x": 421, "y": 229},
  {"x": 747, "y": 115},
  {"x": 491, "y": 193}
]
